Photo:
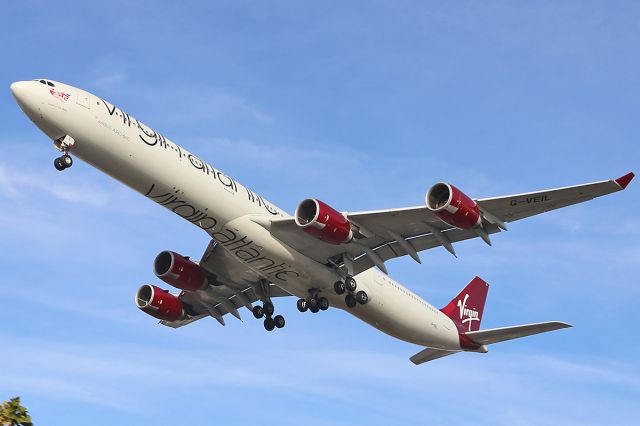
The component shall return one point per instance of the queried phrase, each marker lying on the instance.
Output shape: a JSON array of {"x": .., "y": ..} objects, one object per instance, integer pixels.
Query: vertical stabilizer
[{"x": 466, "y": 308}]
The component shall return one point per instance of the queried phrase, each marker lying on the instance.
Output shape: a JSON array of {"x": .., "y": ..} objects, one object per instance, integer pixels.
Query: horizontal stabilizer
[
  {"x": 495, "y": 335},
  {"x": 430, "y": 354}
]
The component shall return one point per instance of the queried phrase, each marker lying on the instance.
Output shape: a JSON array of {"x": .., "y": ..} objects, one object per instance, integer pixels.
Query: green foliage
[{"x": 14, "y": 414}]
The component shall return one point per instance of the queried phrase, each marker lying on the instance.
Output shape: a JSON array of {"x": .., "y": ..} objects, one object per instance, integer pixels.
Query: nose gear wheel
[
  {"x": 63, "y": 145},
  {"x": 63, "y": 162}
]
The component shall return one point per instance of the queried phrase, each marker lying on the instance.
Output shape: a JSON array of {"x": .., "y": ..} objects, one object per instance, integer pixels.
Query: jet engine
[
  {"x": 452, "y": 206},
  {"x": 179, "y": 271},
  {"x": 159, "y": 303},
  {"x": 323, "y": 222}
]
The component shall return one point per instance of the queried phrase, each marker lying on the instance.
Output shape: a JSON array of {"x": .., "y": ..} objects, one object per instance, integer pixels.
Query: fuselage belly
[{"x": 131, "y": 152}]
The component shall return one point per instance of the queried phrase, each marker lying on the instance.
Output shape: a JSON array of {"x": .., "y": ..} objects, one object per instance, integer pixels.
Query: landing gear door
[{"x": 83, "y": 99}]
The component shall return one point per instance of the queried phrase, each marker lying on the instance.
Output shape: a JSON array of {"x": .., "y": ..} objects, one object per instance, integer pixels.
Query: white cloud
[
  {"x": 95, "y": 372},
  {"x": 19, "y": 184},
  {"x": 36, "y": 297}
]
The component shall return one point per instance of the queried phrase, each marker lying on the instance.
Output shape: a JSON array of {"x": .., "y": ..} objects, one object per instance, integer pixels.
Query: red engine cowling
[
  {"x": 159, "y": 303},
  {"x": 179, "y": 271},
  {"x": 323, "y": 222},
  {"x": 452, "y": 206}
]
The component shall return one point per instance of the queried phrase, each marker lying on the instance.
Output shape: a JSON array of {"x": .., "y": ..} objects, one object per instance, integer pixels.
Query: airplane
[{"x": 258, "y": 252}]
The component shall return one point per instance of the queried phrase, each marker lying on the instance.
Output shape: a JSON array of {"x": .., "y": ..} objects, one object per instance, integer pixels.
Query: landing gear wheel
[
  {"x": 58, "y": 164},
  {"x": 314, "y": 310},
  {"x": 362, "y": 297},
  {"x": 350, "y": 284},
  {"x": 323, "y": 303},
  {"x": 350, "y": 301},
  {"x": 268, "y": 309},
  {"x": 258, "y": 312},
  {"x": 67, "y": 161},
  {"x": 339, "y": 287},
  {"x": 278, "y": 321},
  {"x": 269, "y": 325},
  {"x": 302, "y": 305},
  {"x": 313, "y": 304}
]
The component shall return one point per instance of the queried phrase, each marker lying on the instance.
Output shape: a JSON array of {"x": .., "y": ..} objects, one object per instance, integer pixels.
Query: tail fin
[{"x": 466, "y": 308}]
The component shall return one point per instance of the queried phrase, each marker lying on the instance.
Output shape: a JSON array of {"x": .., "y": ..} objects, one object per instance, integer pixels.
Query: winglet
[{"x": 623, "y": 181}]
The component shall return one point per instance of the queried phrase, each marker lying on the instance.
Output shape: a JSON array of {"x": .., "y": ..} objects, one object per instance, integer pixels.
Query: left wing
[
  {"x": 225, "y": 295},
  {"x": 385, "y": 234}
]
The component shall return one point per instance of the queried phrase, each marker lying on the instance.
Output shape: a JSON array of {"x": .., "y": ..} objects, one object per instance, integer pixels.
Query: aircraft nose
[
  {"x": 27, "y": 97},
  {"x": 23, "y": 93},
  {"x": 19, "y": 89}
]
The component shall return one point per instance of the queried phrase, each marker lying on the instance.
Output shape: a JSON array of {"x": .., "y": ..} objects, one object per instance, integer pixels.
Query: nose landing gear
[{"x": 63, "y": 145}]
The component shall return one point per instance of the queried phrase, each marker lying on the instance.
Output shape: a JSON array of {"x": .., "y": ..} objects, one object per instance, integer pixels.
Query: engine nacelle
[
  {"x": 323, "y": 222},
  {"x": 452, "y": 206},
  {"x": 159, "y": 303},
  {"x": 179, "y": 271}
]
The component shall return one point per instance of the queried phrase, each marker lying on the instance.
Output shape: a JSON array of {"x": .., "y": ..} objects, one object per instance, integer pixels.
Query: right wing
[
  {"x": 387, "y": 234},
  {"x": 515, "y": 207}
]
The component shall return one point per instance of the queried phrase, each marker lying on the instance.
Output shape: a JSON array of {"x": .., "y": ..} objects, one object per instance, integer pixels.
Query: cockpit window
[{"x": 46, "y": 82}]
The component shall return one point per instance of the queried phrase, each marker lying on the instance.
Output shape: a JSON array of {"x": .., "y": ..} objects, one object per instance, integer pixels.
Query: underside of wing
[
  {"x": 225, "y": 295},
  {"x": 381, "y": 235},
  {"x": 514, "y": 207},
  {"x": 377, "y": 236}
]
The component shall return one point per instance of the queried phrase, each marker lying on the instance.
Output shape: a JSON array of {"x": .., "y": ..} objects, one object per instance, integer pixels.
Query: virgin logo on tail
[{"x": 471, "y": 314}]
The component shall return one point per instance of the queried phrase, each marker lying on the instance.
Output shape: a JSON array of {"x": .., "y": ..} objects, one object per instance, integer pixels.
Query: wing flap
[
  {"x": 203, "y": 305},
  {"x": 418, "y": 234},
  {"x": 501, "y": 334},
  {"x": 182, "y": 323},
  {"x": 391, "y": 249}
]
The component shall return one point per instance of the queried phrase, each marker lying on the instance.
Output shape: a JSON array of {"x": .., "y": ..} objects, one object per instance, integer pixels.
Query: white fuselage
[{"x": 136, "y": 155}]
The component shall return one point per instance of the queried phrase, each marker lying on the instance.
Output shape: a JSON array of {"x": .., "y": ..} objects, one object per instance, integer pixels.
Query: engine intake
[
  {"x": 323, "y": 222},
  {"x": 179, "y": 271},
  {"x": 159, "y": 303},
  {"x": 452, "y": 206}
]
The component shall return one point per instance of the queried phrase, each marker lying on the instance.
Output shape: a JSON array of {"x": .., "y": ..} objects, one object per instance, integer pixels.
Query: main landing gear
[
  {"x": 266, "y": 311},
  {"x": 352, "y": 297},
  {"x": 63, "y": 145},
  {"x": 313, "y": 304}
]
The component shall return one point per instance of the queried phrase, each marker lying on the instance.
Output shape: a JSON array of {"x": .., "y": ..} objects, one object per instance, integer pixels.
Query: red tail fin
[{"x": 466, "y": 308}]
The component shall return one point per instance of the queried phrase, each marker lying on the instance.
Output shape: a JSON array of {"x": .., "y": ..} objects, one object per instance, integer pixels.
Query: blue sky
[{"x": 363, "y": 105}]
